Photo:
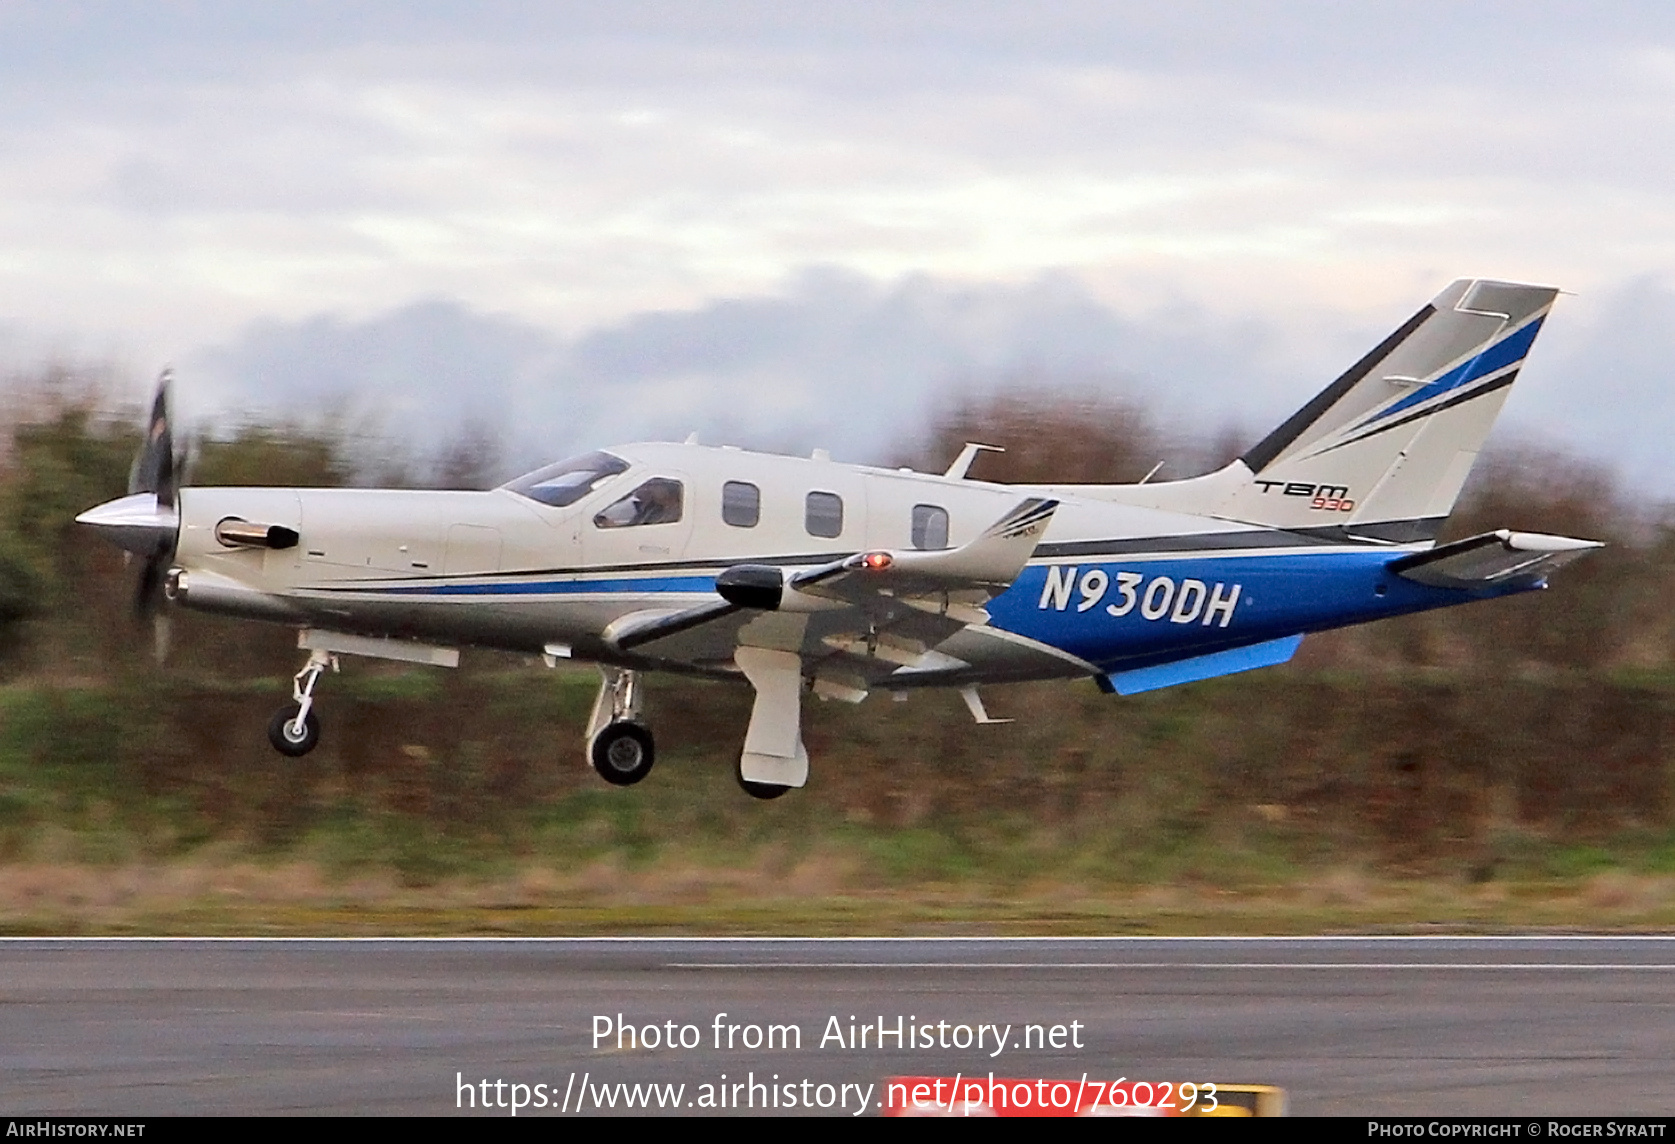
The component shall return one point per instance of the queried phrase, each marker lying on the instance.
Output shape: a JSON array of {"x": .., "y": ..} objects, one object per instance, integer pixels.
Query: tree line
[{"x": 64, "y": 594}]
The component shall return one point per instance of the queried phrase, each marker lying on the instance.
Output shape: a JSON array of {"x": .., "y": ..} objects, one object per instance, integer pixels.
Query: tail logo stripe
[
  {"x": 1500, "y": 382},
  {"x": 1509, "y": 350}
]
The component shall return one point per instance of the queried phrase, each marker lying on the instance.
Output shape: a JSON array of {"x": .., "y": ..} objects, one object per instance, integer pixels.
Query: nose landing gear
[
  {"x": 294, "y": 729},
  {"x": 619, "y": 745}
]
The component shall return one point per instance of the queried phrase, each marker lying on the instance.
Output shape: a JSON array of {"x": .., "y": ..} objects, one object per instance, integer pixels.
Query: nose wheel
[
  {"x": 293, "y": 733},
  {"x": 294, "y": 729}
]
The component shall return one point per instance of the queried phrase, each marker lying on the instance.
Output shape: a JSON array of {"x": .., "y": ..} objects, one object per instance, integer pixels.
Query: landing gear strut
[
  {"x": 619, "y": 745},
  {"x": 294, "y": 729}
]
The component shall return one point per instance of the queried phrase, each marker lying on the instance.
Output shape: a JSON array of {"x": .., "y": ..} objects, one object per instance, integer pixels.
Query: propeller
[
  {"x": 153, "y": 472},
  {"x": 146, "y": 522}
]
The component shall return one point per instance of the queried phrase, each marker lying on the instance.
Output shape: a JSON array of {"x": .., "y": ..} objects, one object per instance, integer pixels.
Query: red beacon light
[{"x": 877, "y": 561}]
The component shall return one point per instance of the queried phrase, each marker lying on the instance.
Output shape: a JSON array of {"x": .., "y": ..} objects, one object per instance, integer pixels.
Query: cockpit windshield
[{"x": 568, "y": 481}]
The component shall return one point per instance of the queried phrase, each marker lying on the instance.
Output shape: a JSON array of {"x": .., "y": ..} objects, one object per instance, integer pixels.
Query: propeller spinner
[{"x": 145, "y": 522}]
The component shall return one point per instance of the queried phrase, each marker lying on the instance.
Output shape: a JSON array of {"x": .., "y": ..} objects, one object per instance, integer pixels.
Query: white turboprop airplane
[{"x": 799, "y": 574}]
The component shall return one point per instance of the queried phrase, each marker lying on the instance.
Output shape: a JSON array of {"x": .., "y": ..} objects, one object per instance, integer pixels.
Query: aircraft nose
[{"x": 137, "y": 523}]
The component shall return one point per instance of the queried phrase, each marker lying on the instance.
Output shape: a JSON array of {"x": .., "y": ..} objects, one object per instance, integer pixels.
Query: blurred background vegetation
[{"x": 1513, "y": 753}]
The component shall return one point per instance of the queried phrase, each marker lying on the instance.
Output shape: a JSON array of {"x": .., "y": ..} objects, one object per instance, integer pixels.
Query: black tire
[
  {"x": 282, "y": 733},
  {"x": 623, "y": 753},
  {"x": 763, "y": 791}
]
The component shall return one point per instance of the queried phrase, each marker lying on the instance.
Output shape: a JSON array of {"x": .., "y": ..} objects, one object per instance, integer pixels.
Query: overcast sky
[{"x": 797, "y": 224}]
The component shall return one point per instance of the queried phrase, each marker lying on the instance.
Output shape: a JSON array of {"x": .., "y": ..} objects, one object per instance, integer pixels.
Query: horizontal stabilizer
[
  {"x": 1229, "y": 662},
  {"x": 1492, "y": 560}
]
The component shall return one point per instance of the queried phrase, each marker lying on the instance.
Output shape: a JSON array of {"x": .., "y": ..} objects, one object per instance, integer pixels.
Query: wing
[
  {"x": 856, "y": 620},
  {"x": 971, "y": 575},
  {"x": 638, "y": 629}
]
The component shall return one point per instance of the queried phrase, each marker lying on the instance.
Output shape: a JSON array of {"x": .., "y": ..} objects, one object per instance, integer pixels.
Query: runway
[{"x": 1352, "y": 1026}]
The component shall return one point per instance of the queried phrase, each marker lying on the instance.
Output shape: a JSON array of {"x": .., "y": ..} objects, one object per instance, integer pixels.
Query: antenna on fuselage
[{"x": 962, "y": 463}]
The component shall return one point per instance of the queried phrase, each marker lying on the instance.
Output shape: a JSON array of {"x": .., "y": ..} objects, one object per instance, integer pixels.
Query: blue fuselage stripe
[{"x": 631, "y": 585}]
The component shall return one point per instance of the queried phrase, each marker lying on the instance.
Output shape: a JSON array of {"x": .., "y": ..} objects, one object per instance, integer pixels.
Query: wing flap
[{"x": 1492, "y": 560}]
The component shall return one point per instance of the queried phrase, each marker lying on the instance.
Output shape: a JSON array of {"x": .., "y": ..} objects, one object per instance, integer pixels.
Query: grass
[
  {"x": 605, "y": 898},
  {"x": 1286, "y": 802}
]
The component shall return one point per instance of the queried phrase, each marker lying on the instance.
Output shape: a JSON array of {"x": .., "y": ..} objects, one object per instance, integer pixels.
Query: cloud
[
  {"x": 1605, "y": 385},
  {"x": 836, "y": 360},
  {"x": 175, "y": 174},
  {"x": 833, "y": 359},
  {"x": 428, "y": 360},
  {"x": 612, "y": 209}
]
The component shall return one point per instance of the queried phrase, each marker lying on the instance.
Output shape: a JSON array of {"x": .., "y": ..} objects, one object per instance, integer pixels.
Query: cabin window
[
  {"x": 568, "y": 481},
  {"x": 823, "y": 515},
  {"x": 741, "y": 504},
  {"x": 658, "y": 501},
  {"x": 930, "y": 526}
]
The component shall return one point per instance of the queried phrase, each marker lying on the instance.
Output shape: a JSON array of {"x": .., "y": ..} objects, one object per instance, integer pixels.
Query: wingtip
[{"x": 1030, "y": 516}]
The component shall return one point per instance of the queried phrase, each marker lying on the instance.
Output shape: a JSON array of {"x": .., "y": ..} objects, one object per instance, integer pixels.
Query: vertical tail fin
[{"x": 1383, "y": 451}]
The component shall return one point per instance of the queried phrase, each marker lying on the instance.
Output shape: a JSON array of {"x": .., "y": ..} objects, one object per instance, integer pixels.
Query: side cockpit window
[
  {"x": 658, "y": 501},
  {"x": 741, "y": 504},
  {"x": 568, "y": 481}
]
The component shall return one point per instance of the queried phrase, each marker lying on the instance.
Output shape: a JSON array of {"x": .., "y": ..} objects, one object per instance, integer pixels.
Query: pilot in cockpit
[{"x": 657, "y": 501}]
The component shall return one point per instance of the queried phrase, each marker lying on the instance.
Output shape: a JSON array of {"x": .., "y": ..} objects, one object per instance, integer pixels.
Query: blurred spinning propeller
[{"x": 145, "y": 523}]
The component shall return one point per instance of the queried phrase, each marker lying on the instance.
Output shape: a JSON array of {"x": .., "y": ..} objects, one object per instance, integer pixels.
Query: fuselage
[{"x": 1111, "y": 587}]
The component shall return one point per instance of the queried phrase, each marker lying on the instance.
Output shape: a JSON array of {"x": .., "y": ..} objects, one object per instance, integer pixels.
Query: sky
[{"x": 788, "y": 226}]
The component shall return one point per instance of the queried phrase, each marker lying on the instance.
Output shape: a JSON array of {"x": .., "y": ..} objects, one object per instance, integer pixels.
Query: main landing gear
[
  {"x": 774, "y": 759},
  {"x": 294, "y": 729},
  {"x": 762, "y": 791},
  {"x": 619, "y": 745}
]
